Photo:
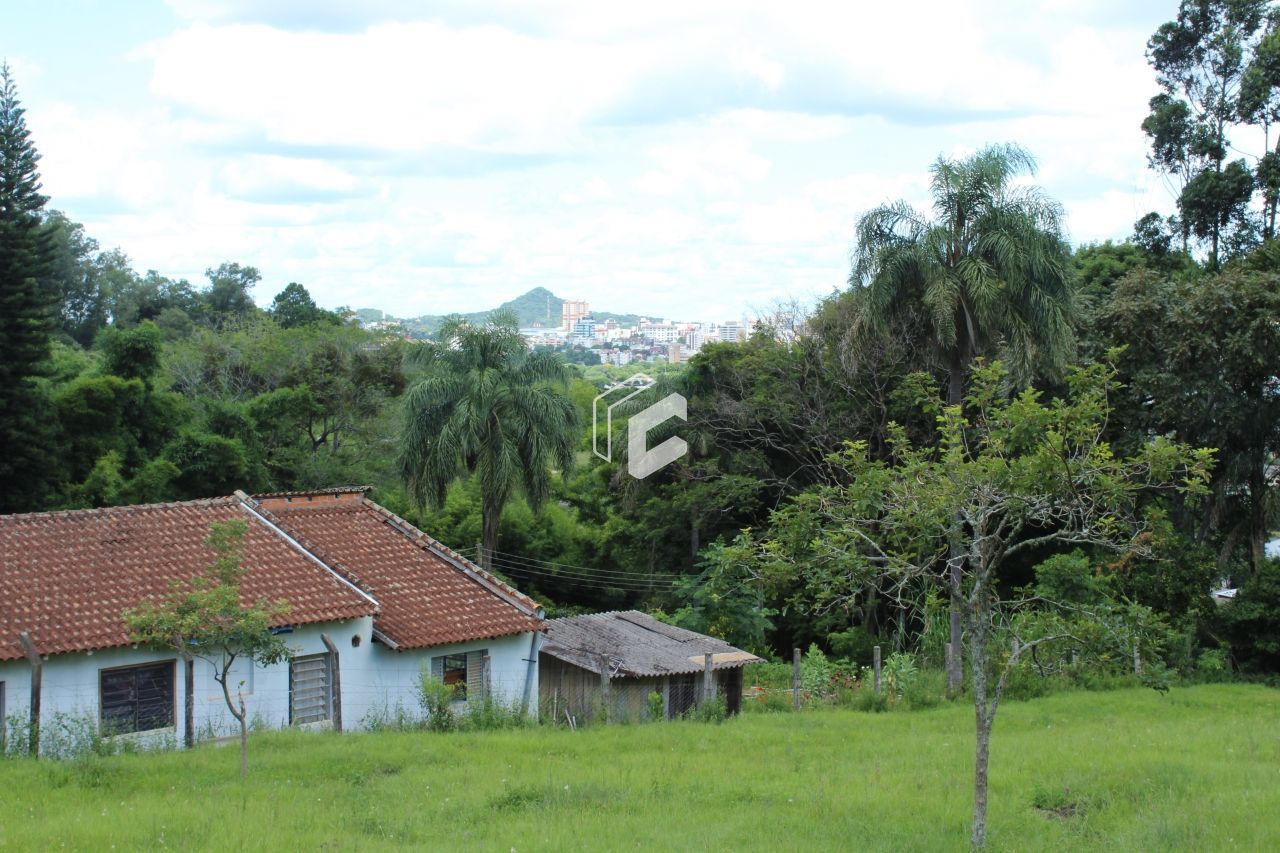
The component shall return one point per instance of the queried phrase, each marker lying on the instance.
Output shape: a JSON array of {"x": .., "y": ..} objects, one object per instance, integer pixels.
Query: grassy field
[{"x": 1198, "y": 768}]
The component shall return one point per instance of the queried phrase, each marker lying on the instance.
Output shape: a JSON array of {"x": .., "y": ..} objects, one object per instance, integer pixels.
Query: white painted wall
[{"x": 374, "y": 680}]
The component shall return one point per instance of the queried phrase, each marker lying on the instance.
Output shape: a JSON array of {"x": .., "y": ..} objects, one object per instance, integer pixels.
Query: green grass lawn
[{"x": 1198, "y": 768}]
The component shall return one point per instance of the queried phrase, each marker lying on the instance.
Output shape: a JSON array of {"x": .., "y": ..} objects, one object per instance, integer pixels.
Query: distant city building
[
  {"x": 571, "y": 312},
  {"x": 660, "y": 333},
  {"x": 674, "y": 353},
  {"x": 584, "y": 328},
  {"x": 731, "y": 331}
]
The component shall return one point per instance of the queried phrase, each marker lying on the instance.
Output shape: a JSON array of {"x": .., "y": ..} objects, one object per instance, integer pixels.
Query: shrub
[
  {"x": 657, "y": 708},
  {"x": 490, "y": 714},
  {"x": 436, "y": 699},
  {"x": 899, "y": 673},
  {"x": 711, "y": 711}
]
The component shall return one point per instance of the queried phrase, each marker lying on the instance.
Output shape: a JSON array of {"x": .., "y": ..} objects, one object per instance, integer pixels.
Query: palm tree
[
  {"x": 990, "y": 269},
  {"x": 486, "y": 407}
]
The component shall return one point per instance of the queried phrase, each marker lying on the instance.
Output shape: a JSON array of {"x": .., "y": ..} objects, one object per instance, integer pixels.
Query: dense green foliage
[{"x": 1077, "y": 771}]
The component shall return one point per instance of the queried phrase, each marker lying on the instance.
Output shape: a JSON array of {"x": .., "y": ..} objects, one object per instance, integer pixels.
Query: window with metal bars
[
  {"x": 137, "y": 698},
  {"x": 310, "y": 690}
]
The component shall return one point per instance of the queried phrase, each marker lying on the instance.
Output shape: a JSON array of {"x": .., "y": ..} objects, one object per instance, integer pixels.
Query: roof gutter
[{"x": 251, "y": 507}]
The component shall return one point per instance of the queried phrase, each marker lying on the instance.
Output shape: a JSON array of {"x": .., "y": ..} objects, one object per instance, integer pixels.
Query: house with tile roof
[{"x": 372, "y": 601}]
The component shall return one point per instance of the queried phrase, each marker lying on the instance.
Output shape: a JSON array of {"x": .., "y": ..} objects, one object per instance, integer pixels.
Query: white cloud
[{"x": 692, "y": 160}]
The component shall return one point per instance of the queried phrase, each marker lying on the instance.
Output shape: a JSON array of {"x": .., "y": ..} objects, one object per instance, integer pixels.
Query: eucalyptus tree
[
  {"x": 989, "y": 268},
  {"x": 1215, "y": 69},
  {"x": 486, "y": 407}
]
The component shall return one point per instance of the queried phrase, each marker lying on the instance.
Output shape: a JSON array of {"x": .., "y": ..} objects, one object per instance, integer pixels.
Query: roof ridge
[
  {"x": 331, "y": 490},
  {"x": 423, "y": 540},
  {"x": 120, "y": 509}
]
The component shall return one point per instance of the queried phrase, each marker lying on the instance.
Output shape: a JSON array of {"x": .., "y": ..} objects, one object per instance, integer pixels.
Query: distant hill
[{"x": 538, "y": 307}]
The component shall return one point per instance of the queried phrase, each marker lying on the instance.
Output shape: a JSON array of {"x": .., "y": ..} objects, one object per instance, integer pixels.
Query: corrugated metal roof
[{"x": 637, "y": 645}]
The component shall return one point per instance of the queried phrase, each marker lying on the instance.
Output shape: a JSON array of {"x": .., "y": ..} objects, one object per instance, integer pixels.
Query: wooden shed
[{"x": 631, "y": 655}]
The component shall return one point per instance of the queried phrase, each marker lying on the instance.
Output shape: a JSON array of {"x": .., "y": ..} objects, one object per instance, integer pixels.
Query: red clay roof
[
  {"x": 65, "y": 577},
  {"x": 427, "y": 594}
]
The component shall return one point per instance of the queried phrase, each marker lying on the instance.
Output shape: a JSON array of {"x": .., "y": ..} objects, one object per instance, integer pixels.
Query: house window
[
  {"x": 310, "y": 690},
  {"x": 465, "y": 671},
  {"x": 137, "y": 698}
]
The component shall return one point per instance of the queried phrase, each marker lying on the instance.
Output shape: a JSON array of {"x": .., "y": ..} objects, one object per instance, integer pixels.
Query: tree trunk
[
  {"x": 491, "y": 516},
  {"x": 244, "y": 741},
  {"x": 955, "y": 664},
  {"x": 1258, "y": 511},
  {"x": 984, "y": 716}
]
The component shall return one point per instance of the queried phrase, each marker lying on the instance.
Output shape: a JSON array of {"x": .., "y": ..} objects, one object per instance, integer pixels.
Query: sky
[{"x": 689, "y": 160}]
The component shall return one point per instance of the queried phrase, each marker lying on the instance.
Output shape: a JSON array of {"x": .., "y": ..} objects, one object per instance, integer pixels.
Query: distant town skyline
[{"x": 693, "y": 160}]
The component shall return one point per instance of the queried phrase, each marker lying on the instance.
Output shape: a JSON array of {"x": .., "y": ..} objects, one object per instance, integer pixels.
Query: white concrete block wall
[{"x": 374, "y": 679}]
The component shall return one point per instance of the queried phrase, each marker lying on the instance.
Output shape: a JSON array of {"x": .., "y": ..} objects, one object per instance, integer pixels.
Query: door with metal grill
[{"x": 310, "y": 690}]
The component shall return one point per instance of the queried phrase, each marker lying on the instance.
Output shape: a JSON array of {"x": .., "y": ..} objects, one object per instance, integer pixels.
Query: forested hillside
[{"x": 126, "y": 386}]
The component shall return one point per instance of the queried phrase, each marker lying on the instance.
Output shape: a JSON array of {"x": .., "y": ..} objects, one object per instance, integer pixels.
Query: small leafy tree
[
  {"x": 1006, "y": 477},
  {"x": 205, "y": 618}
]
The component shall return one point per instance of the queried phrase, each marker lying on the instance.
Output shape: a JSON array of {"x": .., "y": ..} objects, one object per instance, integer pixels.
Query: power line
[
  {"x": 625, "y": 577},
  {"x": 594, "y": 571}
]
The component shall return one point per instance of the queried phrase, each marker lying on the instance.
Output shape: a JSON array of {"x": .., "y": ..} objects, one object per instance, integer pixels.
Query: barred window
[{"x": 137, "y": 698}]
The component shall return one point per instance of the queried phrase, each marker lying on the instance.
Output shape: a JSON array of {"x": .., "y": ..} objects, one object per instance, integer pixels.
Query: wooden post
[
  {"x": 875, "y": 668},
  {"x": 335, "y": 682},
  {"x": 708, "y": 686},
  {"x": 604, "y": 685},
  {"x": 795, "y": 678},
  {"x": 189, "y": 697},
  {"x": 949, "y": 668},
  {"x": 37, "y": 679}
]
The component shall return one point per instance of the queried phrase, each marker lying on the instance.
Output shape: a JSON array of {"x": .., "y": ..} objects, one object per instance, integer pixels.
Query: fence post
[
  {"x": 335, "y": 681},
  {"x": 795, "y": 678},
  {"x": 189, "y": 703},
  {"x": 875, "y": 668},
  {"x": 604, "y": 685},
  {"x": 708, "y": 686},
  {"x": 37, "y": 679}
]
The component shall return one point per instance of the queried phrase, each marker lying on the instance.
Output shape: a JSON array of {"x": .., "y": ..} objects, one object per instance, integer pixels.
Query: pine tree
[{"x": 26, "y": 310}]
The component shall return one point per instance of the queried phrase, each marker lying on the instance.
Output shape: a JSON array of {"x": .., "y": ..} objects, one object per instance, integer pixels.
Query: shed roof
[
  {"x": 637, "y": 645},
  {"x": 66, "y": 577}
]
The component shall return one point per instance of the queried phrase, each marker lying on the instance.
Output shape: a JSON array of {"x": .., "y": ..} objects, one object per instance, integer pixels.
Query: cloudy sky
[{"x": 687, "y": 159}]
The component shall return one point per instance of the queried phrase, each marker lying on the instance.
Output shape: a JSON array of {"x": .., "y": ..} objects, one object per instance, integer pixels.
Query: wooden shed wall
[{"x": 564, "y": 687}]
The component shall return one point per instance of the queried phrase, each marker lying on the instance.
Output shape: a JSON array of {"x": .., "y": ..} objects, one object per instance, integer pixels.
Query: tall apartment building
[
  {"x": 571, "y": 312},
  {"x": 731, "y": 331}
]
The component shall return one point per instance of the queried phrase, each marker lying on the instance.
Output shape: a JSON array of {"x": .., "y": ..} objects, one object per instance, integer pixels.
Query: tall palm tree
[
  {"x": 487, "y": 407},
  {"x": 990, "y": 269}
]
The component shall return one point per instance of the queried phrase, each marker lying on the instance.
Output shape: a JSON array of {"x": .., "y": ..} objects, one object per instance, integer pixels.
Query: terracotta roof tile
[
  {"x": 65, "y": 577},
  {"x": 427, "y": 594}
]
